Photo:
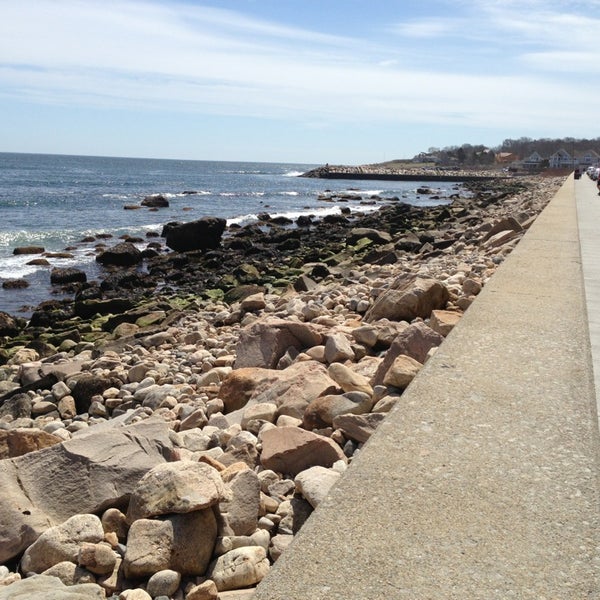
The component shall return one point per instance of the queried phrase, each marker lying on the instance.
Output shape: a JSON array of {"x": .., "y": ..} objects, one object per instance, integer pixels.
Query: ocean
[{"x": 56, "y": 201}]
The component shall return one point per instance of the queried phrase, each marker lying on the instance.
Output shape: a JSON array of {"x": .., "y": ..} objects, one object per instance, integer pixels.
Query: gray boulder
[
  {"x": 408, "y": 297},
  {"x": 87, "y": 474},
  {"x": 314, "y": 483},
  {"x": 262, "y": 344},
  {"x": 62, "y": 543},
  {"x": 239, "y": 568},
  {"x": 177, "y": 487},
  {"x": 358, "y": 233},
  {"x": 182, "y": 543},
  {"x": 241, "y": 509},
  {"x": 45, "y": 587},
  {"x": 415, "y": 341}
]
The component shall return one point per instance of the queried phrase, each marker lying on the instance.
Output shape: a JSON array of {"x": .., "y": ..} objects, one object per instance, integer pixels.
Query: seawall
[{"x": 483, "y": 482}]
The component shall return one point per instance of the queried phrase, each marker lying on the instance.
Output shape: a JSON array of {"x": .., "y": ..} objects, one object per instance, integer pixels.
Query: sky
[{"x": 294, "y": 81}]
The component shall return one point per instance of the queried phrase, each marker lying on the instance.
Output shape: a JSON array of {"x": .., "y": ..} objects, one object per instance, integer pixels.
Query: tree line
[{"x": 478, "y": 154}]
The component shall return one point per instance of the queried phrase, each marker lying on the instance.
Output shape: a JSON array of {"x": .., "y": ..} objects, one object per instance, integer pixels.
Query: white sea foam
[
  {"x": 185, "y": 195},
  {"x": 117, "y": 196},
  {"x": 15, "y": 267},
  {"x": 294, "y": 214},
  {"x": 293, "y": 174}
]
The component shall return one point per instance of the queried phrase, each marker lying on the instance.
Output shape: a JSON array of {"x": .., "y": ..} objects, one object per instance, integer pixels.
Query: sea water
[{"x": 55, "y": 201}]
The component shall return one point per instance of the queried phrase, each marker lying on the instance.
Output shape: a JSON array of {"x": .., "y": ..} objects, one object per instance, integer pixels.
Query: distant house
[
  {"x": 561, "y": 159},
  {"x": 588, "y": 159},
  {"x": 506, "y": 157},
  {"x": 533, "y": 161},
  {"x": 427, "y": 157}
]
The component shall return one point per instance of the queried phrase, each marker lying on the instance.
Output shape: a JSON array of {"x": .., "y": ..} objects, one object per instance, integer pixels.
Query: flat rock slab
[{"x": 89, "y": 473}]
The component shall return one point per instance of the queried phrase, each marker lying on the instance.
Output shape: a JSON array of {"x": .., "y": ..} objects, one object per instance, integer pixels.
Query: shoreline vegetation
[{"x": 170, "y": 428}]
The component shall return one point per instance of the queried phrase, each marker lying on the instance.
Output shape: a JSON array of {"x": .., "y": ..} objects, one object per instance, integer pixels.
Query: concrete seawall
[{"x": 483, "y": 482}]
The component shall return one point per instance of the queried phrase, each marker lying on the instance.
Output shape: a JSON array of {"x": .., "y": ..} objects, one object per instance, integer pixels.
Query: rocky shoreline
[
  {"x": 166, "y": 432},
  {"x": 395, "y": 173}
]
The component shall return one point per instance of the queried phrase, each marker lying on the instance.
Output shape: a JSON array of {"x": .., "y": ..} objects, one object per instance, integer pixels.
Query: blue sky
[{"x": 310, "y": 81}]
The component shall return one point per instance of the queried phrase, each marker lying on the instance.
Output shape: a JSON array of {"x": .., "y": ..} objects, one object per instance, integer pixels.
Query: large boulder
[
  {"x": 47, "y": 587},
  {"x": 408, "y": 297},
  {"x": 322, "y": 410},
  {"x": 239, "y": 568},
  {"x": 203, "y": 234},
  {"x": 16, "y": 442},
  {"x": 182, "y": 543},
  {"x": 61, "y": 276},
  {"x": 415, "y": 341},
  {"x": 8, "y": 325},
  {"x": 241, "y": 509},
  {"x": 358, "y": 427},
  {"x": 62, "y": 543},
  {"x": 262, "y": 344},
  {"x": 378, "y": 237},
  {"x": 155, "y": 201},
  {"x": 290, "y": 450},
  {"x": 314, "y": 483},
  {"x": 87, "y": 474},
  {"x": 176, "y": 487},
  {"x": 89, "y": 386},
  {"x": 291, "y": 389},
  {"x": 29, "y": 250},
  {"x": 124, "y": 254}
]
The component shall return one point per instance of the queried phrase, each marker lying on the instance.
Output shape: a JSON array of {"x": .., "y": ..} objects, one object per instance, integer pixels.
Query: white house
[
  {"x": 560, "y": 159},
  {"x": 533, "y": 161},
  {"x": 589, "y": 159}
]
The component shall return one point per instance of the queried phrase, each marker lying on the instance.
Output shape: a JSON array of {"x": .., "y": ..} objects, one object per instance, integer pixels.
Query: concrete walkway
[{"x": 483, "y": 483}]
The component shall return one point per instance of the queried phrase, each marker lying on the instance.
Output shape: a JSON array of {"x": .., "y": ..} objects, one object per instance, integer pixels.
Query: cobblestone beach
[{"x": 169, "y": 443}]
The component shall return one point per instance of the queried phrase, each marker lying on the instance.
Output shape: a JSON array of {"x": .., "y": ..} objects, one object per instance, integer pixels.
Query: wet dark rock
[
  {"x": 335, "y": 219},
  {"x": 380, "y": 257},
  {"x": 8, "y": 325},
  {"x": 240, "y": 292},
  {"x": 304, "y": 221},
  {"x": 126, "y": 280},
  {"x": 61, "y": 276},
  {"x": 202, "y": 234},
  {"x": 155, "y": 201},
  {"x": 320, "y": 271},
  {"x": 89, "y": 386},
  {"x": 281, "y": 220},
  {"x": 123, "y": 255},
  {"x": 89, "y": 291},
  {"x": 88, "y": 308},
  {"x": 49, "y": 313},
  {"x": 42, "y": 348},
  {"x": 15, "y": 284},
  {"x": 29, "y": 250},
  {"x": 357, "y": 233}
]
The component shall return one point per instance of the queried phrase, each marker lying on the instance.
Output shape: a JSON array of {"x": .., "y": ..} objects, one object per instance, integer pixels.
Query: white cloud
[
  {"x": 146, "y": 55},
  {"x": 427, "y": 27}
]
